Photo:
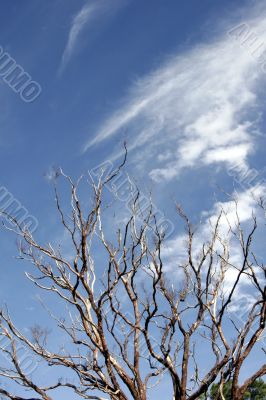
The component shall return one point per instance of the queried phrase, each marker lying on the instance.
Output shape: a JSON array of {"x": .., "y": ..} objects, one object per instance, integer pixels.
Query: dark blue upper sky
[
  {"x": 108, "y": 57},
  {"x": 111, "y": 53}
]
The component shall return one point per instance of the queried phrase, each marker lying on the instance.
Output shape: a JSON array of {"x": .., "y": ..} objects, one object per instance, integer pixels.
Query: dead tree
[{"x": 131, "y": 324}]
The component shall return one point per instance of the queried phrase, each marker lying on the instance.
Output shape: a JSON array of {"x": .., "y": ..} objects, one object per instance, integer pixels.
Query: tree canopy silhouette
[{"x": 132, "y": 325}]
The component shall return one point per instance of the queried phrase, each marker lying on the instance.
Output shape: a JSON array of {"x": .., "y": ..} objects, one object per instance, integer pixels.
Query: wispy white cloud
[
  {"x": 198, "y": 108},
  {"x": 89, "y": 13},
  {"x": 241, "y": 209},
  {"x": 83, "y": 17}
]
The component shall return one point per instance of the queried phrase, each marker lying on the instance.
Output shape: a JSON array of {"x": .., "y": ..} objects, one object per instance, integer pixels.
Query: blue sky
[{"x": 163, "y": 75}]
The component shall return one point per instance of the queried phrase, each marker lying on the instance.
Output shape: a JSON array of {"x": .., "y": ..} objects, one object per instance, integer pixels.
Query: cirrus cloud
[
  {"x": 90, "y": 12},
  {"x": 200, "y": 107}
]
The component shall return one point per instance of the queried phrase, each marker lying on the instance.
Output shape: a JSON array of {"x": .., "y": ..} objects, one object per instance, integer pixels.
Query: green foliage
[
  {"x": 226, "y": 391},
  {"x": 203, "y": 397},
  {"x": 256, "y": 391}
]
